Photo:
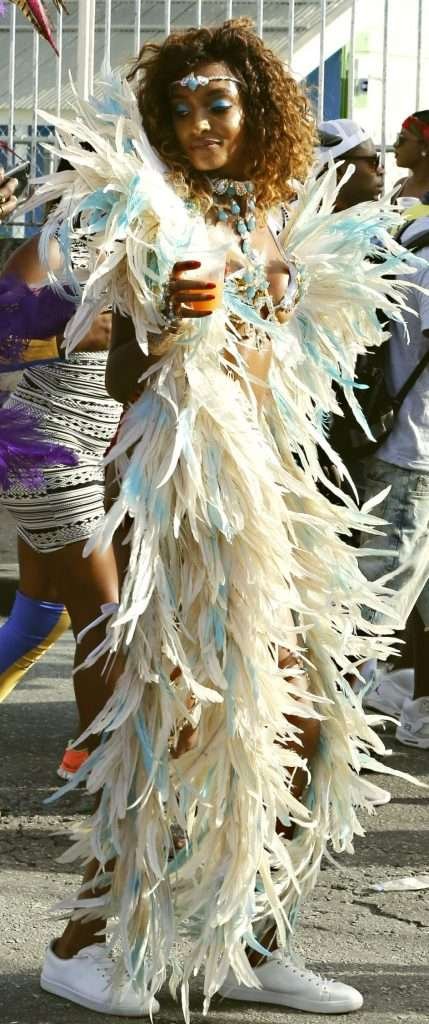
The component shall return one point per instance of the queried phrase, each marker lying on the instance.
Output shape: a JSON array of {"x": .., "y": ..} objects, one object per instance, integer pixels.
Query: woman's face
[
  {"x": 209, "y": 123},
  {"x": 408, "y": 149}
]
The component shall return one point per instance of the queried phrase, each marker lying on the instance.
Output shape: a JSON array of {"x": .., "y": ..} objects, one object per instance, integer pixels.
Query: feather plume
[
  {"x": 36, "y": 13},
  {"x": 25, "y": 450}
]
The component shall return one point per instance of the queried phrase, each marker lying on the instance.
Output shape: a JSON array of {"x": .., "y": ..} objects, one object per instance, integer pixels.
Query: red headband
[{"x": 421, "y": 127}]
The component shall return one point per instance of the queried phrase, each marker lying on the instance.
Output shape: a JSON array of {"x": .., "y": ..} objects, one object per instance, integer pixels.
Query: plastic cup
[{"x": 212, "y": 270}]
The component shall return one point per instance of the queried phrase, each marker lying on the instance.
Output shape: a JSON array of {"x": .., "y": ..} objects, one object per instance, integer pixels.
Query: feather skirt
[{"x": 233, "y": 554}]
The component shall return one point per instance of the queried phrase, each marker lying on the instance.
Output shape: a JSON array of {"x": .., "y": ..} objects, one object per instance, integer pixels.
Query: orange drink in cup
[{"x": 212, "y": 270}]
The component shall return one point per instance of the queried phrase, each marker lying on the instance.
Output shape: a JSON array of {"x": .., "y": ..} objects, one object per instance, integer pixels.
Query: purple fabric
[
  {"x": 11, "y": 349},
  {"x": 25, "y": 451},
  {"x": 28, "y": 313}
]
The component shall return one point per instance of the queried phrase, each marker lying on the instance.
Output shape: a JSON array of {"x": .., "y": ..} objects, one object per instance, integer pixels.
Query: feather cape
[{"x": 234, "y": 552}]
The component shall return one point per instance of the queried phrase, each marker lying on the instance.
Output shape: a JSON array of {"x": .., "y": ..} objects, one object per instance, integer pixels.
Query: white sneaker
[
  {"x": 87, "y": 979},
  {"x": 413, "y": 729},
  {"x": 287, "y": 984},
  {"x": 389, "y": 690}
]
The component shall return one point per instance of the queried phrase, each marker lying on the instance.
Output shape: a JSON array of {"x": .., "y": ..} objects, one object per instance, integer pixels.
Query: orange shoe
[{"x": 72, "y": 760}]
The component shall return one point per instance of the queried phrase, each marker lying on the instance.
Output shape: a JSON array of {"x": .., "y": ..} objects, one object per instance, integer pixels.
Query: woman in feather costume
[{"x": 240, "y": 616}]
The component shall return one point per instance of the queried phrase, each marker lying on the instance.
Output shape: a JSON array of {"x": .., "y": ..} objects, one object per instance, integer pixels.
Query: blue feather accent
[
  {"x": 143, "y": 735},
  {"x": 251, "y": 940}
]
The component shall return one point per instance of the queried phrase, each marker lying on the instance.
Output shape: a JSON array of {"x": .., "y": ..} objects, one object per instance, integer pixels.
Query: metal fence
[{"x": 116, "y": 29}]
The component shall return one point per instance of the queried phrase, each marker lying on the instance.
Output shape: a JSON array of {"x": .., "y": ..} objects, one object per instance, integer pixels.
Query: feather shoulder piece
[{"x": 119, "y": 200}]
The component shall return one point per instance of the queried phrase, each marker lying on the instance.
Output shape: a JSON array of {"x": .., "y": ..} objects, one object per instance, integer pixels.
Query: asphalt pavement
[{"x": 378, "y": 942}]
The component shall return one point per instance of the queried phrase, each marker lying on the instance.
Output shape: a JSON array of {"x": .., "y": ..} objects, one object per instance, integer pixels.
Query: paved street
[{"x": 378, "y": 942}]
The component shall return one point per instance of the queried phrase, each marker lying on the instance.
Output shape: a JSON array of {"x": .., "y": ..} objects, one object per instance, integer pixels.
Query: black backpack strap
[
  {"x": 414, "y": 244},
  {"x": 411, "y": 380},
  {"x": 419, "y": 242}
]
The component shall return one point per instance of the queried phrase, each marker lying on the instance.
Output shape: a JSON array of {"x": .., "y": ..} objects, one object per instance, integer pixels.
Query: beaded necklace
[
  {"x": 228, "y": 210},
  {"x": 235, "y": 205}
]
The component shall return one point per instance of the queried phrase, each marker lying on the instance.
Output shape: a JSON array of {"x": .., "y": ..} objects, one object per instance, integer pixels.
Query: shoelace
[
  {"x": 105, "y": 974},
  {"x": 302, "y": 972},
  {"x": 102, "y": 966},
  {"x": 105, "y": 968}
]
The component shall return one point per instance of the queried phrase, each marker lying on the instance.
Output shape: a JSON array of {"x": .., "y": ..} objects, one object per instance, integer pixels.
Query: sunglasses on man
[{"x": 373, "y": 161}]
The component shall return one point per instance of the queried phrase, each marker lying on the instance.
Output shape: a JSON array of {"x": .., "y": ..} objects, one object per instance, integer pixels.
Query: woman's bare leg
[
  {"x": 78, "y": 934},
  {"x": 93, "y": 582},
  {"x": 35, "y": 576},
  {"x": 84, "y": 585},
  {"x": 35, "y": 622}
]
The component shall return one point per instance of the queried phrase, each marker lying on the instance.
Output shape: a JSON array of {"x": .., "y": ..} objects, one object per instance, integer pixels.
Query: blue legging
[{"x": 31, "y": 629}]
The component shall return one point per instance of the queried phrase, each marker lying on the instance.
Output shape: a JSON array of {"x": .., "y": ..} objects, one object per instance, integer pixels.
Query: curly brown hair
[{"x": 280, "y": 127}]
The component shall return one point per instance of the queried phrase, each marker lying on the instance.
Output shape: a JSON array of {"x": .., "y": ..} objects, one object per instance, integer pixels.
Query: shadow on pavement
[
  {"x": 390, "y": 848},
  {"x": 393, "y": 989}
]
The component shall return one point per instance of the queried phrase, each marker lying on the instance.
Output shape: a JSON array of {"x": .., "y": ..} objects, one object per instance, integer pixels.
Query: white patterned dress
[{"x": 70, "y": 400}]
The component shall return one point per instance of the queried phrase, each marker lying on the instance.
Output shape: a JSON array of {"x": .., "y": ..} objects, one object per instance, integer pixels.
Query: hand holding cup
[
  {"x": 188, "y": 296},
  {"x": 192, "y": 294}
]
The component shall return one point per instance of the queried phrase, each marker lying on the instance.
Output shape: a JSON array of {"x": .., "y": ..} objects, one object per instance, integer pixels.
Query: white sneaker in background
[
  {"x": 389, "y": 690},
  {"x": 413, "y": 729},
  {"x": 86, "y": 979},
  {"x": 285, "y": 983}
]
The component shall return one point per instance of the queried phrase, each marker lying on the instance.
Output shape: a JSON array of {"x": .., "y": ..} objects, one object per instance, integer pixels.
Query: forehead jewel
[{"x": 193, "y": 81}]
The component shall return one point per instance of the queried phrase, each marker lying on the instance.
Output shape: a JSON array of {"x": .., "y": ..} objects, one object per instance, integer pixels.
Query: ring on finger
[
  {"x": 172, "y": 310},
  {"x": 169, "y": 310}
]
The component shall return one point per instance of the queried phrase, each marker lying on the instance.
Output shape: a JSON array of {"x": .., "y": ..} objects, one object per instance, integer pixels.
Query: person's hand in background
[{"x": 7, "y": 198}]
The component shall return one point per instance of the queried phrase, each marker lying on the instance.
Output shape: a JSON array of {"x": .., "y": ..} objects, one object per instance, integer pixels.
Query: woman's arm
[
  {"x": 126, "y": 362},
  {"x": 28, "y": 307},
  {"x": 25, "y": 262}
]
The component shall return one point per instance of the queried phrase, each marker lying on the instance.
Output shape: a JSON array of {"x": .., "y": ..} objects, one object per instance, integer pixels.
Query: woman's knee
[
  {"x": 35, "y": 577},
  {"x": 87, "y": 583},
  {"x": 82, "y": 577}
]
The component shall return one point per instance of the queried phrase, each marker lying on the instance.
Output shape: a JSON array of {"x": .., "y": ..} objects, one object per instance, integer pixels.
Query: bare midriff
[{"x": 258, "y": 362}]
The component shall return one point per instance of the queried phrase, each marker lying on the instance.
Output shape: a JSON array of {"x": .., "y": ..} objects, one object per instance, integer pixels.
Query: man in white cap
[{"x": 345, "y": 141}]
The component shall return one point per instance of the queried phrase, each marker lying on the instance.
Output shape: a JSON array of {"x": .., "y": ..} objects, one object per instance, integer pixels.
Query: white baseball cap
[{"x": 337, "y": 138}]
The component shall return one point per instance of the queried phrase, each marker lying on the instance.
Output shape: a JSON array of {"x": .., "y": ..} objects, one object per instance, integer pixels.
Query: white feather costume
[{"x": 234, "y": 552}]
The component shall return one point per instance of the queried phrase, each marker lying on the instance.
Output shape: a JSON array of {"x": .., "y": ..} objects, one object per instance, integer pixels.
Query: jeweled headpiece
[{"x": 193, "y": 81}]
